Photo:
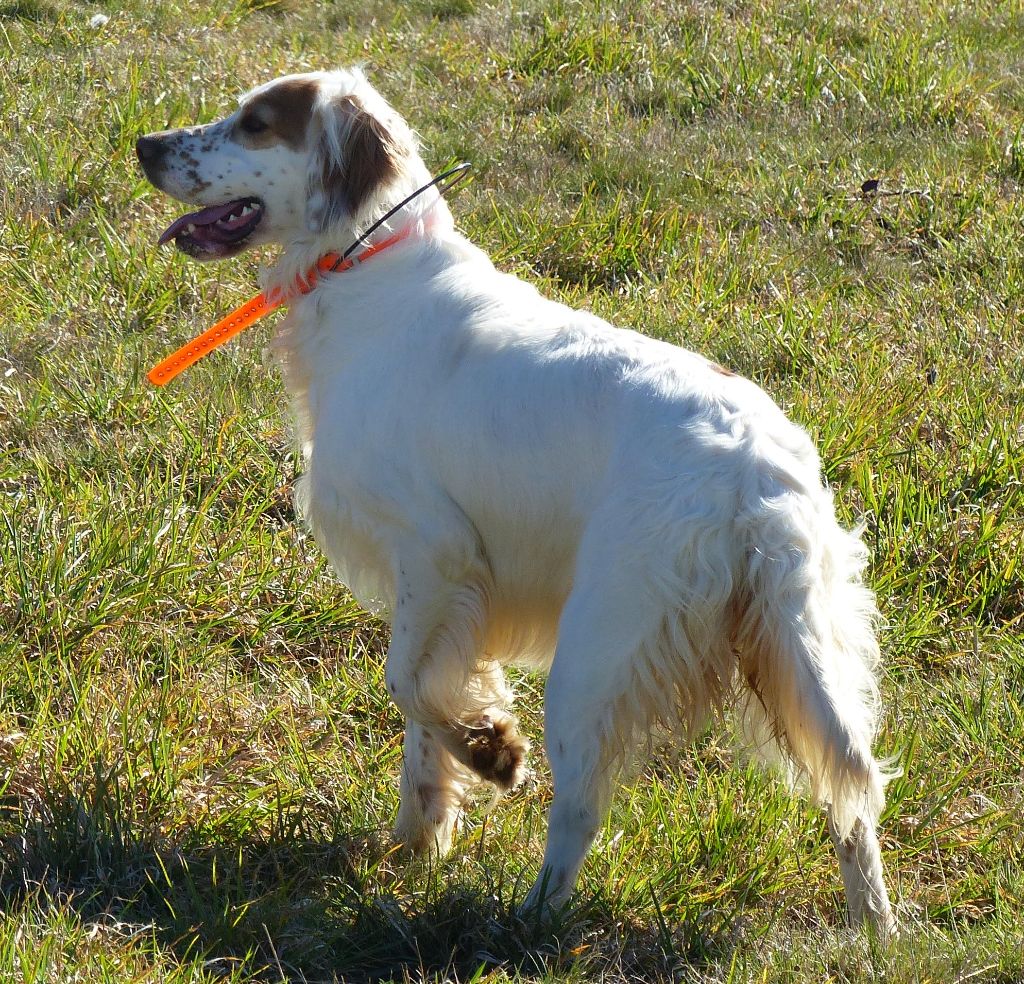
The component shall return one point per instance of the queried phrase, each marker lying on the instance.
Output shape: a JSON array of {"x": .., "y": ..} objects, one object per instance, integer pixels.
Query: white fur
[{"x": 509, "y": 480}]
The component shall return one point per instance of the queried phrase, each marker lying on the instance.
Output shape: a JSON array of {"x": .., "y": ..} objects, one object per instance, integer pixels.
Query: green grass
[{"x": 197, "y": 758}]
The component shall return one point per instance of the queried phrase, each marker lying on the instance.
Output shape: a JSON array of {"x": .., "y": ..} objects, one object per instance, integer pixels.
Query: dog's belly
[
  {"x": 531, "y": 580},
  {"x": 521, "y": 635}
]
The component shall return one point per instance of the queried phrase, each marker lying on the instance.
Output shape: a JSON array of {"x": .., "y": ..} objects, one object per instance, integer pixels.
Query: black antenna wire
[{"x": 457, "y": 173}]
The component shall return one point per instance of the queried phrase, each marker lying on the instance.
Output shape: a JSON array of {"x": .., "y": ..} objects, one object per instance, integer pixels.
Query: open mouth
[{"x": 217, "y": 230}]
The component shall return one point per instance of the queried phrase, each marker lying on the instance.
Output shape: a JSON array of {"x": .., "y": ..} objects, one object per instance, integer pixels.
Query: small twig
[
  {"x": 862, "y": 196},
  {"x": 976, "y": 973},
  {"x": 901, "y": 192},
  {"x": 273, "y": 950}
]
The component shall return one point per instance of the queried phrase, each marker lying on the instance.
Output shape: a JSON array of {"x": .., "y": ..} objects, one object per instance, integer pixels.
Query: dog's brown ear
[{"x": 355, "y": 158}]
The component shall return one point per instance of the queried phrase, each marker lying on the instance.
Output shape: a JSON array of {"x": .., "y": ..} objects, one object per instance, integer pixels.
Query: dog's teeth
[
  {"x": 189, "y": 229},
  {"x": 246, "y": 210}
]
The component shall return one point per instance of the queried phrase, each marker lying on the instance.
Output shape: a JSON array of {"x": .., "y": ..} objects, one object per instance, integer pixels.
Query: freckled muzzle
[{"x": 213, "y": 232}]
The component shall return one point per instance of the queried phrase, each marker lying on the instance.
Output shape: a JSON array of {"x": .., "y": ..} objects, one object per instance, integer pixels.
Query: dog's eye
[{"x": 252, "y": 124}]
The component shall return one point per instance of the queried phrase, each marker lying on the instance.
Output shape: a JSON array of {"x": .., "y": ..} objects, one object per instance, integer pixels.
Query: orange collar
[{"x": 258, "y": 307}]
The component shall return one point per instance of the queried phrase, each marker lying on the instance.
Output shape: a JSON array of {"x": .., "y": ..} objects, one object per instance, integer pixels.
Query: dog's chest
[{"x": 395, "y": 463}]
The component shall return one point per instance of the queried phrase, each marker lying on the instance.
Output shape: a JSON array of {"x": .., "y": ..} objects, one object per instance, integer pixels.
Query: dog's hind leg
[
  {"x": 860, "y": 861},
  {"x": 585, "y": 726}
]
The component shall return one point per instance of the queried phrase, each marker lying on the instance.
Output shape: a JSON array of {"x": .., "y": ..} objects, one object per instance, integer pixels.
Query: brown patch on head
[
  {"x": 365, "y": 158},
  {"x": 721, "y": 370},
  {"x": 279, "y": 114}
]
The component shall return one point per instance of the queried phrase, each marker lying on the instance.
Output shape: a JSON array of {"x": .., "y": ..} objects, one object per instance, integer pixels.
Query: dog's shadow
[{"x": 307, "y": 908}]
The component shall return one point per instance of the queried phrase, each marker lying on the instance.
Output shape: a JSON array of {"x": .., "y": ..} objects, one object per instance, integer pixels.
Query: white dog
[{"x": 509, "y": 480}]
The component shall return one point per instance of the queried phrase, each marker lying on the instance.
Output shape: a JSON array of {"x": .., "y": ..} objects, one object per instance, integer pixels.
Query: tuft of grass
[
  {"x": 28, "y": 10},
  {"x": 197, "y": 756}
]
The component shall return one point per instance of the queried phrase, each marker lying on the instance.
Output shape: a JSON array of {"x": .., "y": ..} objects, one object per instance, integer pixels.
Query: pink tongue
[{"x": 205, "y": 216}]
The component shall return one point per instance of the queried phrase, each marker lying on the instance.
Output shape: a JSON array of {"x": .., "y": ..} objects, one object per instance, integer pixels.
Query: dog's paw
[
  {"x": 497, "y": 752},
  {"x": 547, "y": 898},
  {"x": 425, "y": 841},
  {"x": 428, "y": 816},
  {"x": 420, "y": 831}
]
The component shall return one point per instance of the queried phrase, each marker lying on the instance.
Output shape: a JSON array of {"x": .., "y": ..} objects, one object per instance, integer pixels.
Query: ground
[{"x": 198, "y": 760}]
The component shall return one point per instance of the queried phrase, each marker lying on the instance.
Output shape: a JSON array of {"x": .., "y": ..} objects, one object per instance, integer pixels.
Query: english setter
[{"x": 509, "y": 480}]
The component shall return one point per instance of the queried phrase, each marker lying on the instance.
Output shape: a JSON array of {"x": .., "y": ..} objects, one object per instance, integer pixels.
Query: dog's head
[{"x": 301, "y": 157}]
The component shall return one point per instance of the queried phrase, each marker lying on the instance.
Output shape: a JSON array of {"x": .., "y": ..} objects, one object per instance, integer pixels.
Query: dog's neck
[{"x": 425, "y": 216}]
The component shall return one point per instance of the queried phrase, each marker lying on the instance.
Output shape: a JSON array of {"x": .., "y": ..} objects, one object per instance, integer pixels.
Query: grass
[{"x": 198, "y": 762}]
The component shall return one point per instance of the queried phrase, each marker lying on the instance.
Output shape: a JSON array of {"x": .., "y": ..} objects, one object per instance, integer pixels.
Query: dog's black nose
[{"x": 150, "y": 151}]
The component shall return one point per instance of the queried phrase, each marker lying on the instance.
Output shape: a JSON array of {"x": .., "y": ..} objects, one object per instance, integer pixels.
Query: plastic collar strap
[{"x": 255, "y": 309}]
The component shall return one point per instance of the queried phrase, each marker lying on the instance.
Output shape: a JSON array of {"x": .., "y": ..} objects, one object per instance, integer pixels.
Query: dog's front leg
[
  {"x": 433, "y": 789},
  {"x": 435, "y": 782},
  {"x": 455, "y": 703}
]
